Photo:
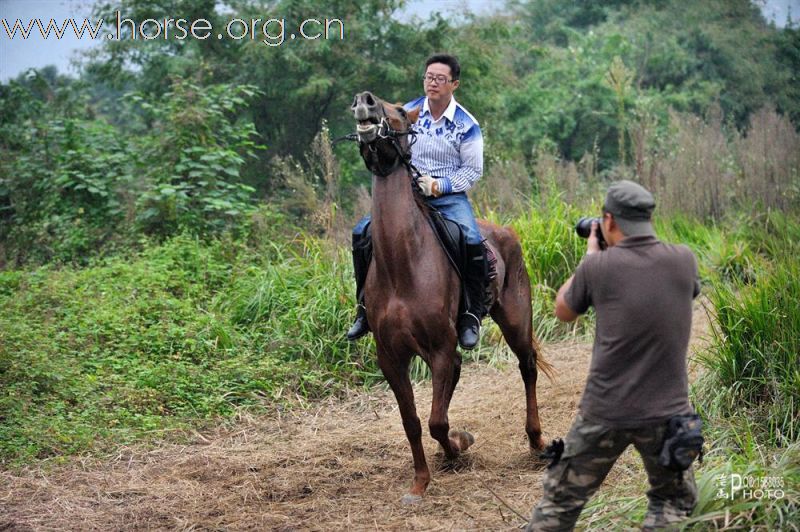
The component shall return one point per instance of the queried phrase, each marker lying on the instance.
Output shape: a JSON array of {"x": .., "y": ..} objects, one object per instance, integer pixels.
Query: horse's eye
[{"x": 401, "y": 111}]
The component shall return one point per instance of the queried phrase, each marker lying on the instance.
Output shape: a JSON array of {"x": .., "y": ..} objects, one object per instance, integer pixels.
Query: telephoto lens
[{"x": 584, "y": 229}]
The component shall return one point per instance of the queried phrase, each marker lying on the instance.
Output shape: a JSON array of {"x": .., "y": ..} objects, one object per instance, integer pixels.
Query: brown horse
[{"x": 412, "y": 292}]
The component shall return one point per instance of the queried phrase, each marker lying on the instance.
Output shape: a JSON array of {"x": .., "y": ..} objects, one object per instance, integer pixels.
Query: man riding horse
[
  {"x": 412, "y": 295},
  {"x": 449, "y": 155}
]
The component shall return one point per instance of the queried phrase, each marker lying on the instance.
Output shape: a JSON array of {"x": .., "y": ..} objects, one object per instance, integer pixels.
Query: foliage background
[
  {"x": 164, "y": 136},
  {"x": 174, "y": 222}
]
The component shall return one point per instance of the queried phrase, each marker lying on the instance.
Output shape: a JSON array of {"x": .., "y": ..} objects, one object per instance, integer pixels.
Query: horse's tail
[{"x": 541, "y": 364}]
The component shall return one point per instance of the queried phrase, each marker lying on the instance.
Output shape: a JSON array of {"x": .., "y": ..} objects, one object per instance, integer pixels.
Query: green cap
[{"x": 632, "y": 206}]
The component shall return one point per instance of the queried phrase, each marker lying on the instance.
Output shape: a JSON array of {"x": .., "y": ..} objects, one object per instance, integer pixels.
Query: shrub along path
[{"x": 338, "y": 464}]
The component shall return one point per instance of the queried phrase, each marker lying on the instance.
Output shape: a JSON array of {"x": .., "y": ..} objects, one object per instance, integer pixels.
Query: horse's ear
[{"x": 413, "y": 114}]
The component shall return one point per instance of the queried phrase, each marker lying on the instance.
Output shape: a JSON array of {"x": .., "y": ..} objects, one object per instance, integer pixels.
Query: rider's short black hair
[{"x": 446, "y": 59}]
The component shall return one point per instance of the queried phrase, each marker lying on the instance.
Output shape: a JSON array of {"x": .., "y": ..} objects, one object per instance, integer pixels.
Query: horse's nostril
[
  {"x": 370, "y": 100},
  {"x": 355, "y": 102}
]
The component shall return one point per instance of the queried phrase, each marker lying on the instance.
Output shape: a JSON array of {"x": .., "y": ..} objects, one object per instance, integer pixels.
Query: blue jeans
[{"x": 454, "y": 207}]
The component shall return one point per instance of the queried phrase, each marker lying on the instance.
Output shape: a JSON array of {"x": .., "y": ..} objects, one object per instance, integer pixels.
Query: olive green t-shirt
[{"x": 642, "y": 292}]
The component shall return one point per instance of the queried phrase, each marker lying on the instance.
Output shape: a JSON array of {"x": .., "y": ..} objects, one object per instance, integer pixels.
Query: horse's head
[{"x": 383, "y": 131}]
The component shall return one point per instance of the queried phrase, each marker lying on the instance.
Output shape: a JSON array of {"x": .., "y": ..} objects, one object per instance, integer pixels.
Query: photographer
[{"x": 637, "y": 388}]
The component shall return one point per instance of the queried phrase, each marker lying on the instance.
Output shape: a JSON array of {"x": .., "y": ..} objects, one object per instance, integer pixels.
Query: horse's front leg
[
  {"x": 396, "y": 372},
  {"x": 445, "y": 372}
]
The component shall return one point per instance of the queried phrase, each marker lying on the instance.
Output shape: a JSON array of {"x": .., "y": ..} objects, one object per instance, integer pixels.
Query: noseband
[
  {"x": 392, "y": 136},
  {"x": 385, "y": 132}
]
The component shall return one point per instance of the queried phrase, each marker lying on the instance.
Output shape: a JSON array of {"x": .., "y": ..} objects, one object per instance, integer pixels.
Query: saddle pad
[{"x": 451, "y": 238}]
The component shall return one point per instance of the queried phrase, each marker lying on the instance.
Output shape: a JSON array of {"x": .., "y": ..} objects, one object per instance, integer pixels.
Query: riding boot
[
  {"x": 475, "y": 280},
  {"x": 362, "y": 255}
]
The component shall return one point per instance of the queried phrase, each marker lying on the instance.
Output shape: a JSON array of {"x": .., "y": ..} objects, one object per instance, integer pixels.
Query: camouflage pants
[{"x": 590, "y": 451}]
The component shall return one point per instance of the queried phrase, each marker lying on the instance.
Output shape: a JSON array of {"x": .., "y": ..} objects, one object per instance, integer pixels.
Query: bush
[
  {"x": 65, "y": 191},
  {"x": 756, "y": 345},
  {"x": 185, "y": 331},
  {"x": 72, "y": 187},
  {"x": 193, "y": 144}
]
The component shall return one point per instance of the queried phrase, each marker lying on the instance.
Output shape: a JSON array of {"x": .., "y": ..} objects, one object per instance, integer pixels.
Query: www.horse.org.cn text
[{"x": 270, "y": 31}]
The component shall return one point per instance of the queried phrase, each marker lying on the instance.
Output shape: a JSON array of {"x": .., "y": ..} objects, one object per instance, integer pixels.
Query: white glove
[{"x": 429, "y": 186}]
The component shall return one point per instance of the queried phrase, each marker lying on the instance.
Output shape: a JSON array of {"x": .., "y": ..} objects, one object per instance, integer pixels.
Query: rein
[
  {"x": 385, "y": 132},
  {"x": 349, "y": 136}
]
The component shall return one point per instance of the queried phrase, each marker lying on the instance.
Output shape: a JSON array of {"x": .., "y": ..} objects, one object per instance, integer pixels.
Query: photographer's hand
[{"x": 593, "y": 244}]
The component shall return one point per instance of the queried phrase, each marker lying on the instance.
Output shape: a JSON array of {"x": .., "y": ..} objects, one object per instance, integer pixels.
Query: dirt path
[{"x": 335, "y": 465}]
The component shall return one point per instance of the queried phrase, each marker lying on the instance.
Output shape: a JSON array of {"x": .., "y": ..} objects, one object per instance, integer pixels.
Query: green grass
[
  {"x": 552, "y": 250},
  {"x": 754, "y": 362},
  {"x": 184, "y": 332},
  {"x": 721, "y": 505},
  {"x": 729, "y": 509}
]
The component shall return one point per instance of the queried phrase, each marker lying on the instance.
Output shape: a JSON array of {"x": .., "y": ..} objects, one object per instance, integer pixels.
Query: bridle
[{"x": 386, "y": 132}]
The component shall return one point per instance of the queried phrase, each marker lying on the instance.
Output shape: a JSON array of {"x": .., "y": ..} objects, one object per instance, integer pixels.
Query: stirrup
[{"x": 469, "y": 330}]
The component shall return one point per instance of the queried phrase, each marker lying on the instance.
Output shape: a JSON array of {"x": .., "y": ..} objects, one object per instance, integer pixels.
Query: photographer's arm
[{"x": 563, "y": 311}]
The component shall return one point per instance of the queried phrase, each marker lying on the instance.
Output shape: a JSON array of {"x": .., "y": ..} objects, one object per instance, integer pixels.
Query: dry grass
[
  {"x": 310, "y": 192},
  {"x": 769, "y": 160},
  {"x": 550, "y": 179},
  {"x": 505, "y": 188},
  {"x": 339, "y": 464},
  {"x": 697, "y": 166},
  {"x": 706, "y": 168}
]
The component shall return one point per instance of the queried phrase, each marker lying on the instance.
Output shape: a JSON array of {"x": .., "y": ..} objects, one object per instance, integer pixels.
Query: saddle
[
  {"x": 451, "y": 237},
  {"x": 454, "y": 244},
  {"x": 452, "y": 240}
]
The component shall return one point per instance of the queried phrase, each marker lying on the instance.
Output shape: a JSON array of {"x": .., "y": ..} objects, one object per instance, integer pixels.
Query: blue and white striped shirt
[{"x": 450, "y": 148}]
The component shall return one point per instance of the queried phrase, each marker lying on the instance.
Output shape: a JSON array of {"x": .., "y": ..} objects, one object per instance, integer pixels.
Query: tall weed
[
  {"x": 754, "y": 489},
  {"x": 756, "y": 344},
  {"x": 723, "y": 504},
  {"x": 707, "y": 168}
]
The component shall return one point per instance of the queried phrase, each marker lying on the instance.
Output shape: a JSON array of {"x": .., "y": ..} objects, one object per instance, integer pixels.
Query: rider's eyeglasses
[{"x": 438, "y": 79}]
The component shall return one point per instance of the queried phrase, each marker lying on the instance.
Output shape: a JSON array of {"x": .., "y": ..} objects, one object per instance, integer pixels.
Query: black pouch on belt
[{"x": 683, "y": 442}]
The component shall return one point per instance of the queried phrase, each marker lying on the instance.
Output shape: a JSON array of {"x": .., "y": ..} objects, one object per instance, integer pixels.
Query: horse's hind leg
[
  {"x": 514, "y": 319},
  {"x": 519, "y": 338},
  {"x": 445, "y": 372},
  {"x": 396, "y": 373}
]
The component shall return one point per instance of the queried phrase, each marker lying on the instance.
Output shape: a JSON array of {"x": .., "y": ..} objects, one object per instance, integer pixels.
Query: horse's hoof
[
  {"x": 464, "y": 439},
  {"x": 536, "y": 446},
  {"x": 409, "y": 499},
  {"x": 470, "y": 437}
]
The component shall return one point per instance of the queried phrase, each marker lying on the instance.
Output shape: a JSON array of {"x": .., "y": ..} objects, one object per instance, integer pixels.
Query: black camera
[{"x": 584, "y": 229}]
